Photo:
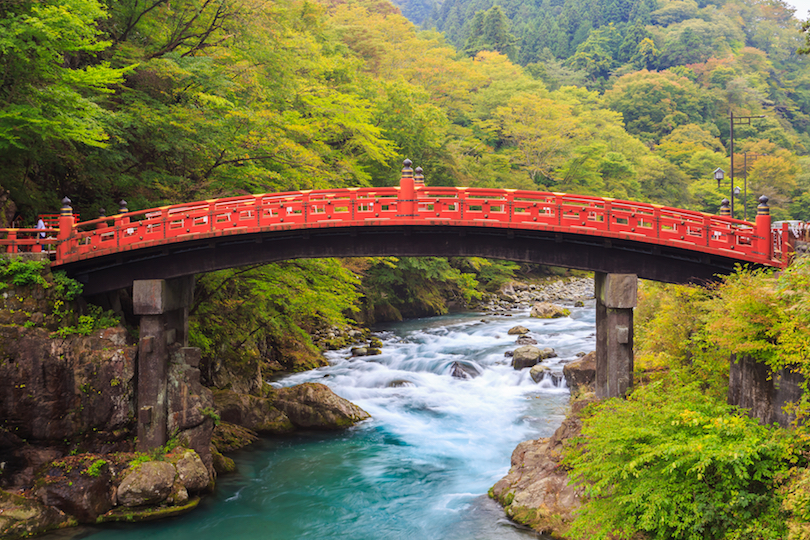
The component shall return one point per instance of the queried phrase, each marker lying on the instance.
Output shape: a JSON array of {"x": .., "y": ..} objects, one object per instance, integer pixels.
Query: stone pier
[
  {"x": 163, "y": 309},
  {"x": 615, "y": 299}
]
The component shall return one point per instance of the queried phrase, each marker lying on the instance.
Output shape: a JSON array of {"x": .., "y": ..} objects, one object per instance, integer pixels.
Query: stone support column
[
  {"x": 615, "y": 299},
  {"x": 163, "y": 309}
]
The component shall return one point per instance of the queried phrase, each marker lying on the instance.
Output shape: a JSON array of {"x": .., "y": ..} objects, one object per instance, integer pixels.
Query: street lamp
[{"x": 719, "y": 174}]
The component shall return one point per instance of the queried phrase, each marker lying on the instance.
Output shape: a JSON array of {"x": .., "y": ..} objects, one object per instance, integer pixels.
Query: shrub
[{"x": 676, "y": 464}]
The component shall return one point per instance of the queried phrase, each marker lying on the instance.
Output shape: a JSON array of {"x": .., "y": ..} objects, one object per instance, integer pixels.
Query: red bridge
[{"x": 573, "y": 231}]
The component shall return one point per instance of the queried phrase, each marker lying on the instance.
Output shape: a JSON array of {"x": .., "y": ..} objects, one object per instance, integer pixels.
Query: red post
[
  {"x": 66, "y": 223},
  {"x": 763, "y": 229},
  {"x": 12, "y": 237},
  {"x": 407, "y": 191}
]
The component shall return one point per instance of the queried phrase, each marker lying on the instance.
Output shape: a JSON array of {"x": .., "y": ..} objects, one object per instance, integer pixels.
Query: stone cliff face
[{"x": 61, "y": 395}]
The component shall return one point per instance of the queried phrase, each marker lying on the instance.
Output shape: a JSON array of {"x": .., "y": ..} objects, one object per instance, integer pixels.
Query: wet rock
[
  {"x": 525, "y": 356},
  {"x": 359, "y": 351},
  {"x": 526, "y": 340},
  {"x": 529, "y": 355},
  {"x": 255, "y": 413},
  {"x": 546, "y": 310},
  {"x": 518, "y": 330},
  {"x": 375, "y": 342},
  {"x": 580, "y": 375},
  {"x": 146, "y": 484},
  {"x": 538, "y": 372},
  {"x": 509, "y": 354},
  {"x": 315, "y": 406},
  {"x": 373, "y": 351},
  {"x": 21, "y": 517},
  {"x": 462, "y": 371},
  {"x": 399, "y": 383}
]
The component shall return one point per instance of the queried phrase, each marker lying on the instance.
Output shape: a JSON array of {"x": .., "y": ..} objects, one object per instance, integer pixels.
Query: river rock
[
  {"x": 538, "y": 372},
  {"x": 146, "y": 484},
  {"x": 463, "y": 371},
  {"x": 526, "y": 340},
  {"x": 518, "y": 330},
  {"x": 255, "y": 413},
  {"x": 529, "y": 355},
  {"x": 315, "y": 406},
  {"x": 192, "y": 472},
  {"x": 536, "y": 492},
  {"x": 21, "y": 517},
  {"x": 525, "y": 356},
  {"x": 580, "y": 375},
  {"x": 546, "y": 310},
  {"x": 359, "y": 351}
]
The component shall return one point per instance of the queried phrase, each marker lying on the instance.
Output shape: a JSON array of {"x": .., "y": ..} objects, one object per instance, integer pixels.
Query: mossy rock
[{"x": 123, "y": 513}]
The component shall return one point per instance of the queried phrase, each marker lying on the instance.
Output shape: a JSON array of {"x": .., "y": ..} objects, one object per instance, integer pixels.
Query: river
[{"x": 421, "y": 467}]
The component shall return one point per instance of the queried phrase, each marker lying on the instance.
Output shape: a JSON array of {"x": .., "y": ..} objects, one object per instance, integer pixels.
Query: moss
[{"x": 123, "y": 513}]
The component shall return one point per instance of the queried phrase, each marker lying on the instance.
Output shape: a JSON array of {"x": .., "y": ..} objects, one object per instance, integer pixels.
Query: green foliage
[
  {"x": 259, "y": 315},
  {"x": 676, "y": 464},
  {"x": 412, "y": 287},
  {"x": 66, "y": 288},
  {"x": 95, "y": 319},
  {"x": 95, "y": 468},
  {"x": 22, "y": 273},
  {"x": 211, "y": 413}
]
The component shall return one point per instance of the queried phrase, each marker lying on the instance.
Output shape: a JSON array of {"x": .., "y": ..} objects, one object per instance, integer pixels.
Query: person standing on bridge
[{"x": 41, "y": 226}]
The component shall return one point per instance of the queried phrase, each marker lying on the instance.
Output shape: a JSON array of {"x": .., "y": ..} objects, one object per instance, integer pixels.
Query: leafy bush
[
  {"x": 95, "y": 319},
  {"x": 22, "y": 273},
  {"x": 676, "y": 464}
]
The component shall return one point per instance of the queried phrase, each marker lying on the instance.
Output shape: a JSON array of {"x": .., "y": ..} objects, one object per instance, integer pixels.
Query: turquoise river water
[{"x": 420, "y": 468}]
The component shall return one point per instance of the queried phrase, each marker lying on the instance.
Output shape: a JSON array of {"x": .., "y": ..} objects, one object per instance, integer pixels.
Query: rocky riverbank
[{"x": 67, "y": 420}]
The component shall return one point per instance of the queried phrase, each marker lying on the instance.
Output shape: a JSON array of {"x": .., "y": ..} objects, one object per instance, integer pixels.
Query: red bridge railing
[{"x": 411, "y": 204}]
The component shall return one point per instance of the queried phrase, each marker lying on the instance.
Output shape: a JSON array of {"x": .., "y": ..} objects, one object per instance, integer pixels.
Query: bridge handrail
[{"x": 410, "y": 204}]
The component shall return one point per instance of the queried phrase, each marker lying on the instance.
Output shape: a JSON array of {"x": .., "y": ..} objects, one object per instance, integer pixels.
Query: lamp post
[{"x": 740, "y": 121}]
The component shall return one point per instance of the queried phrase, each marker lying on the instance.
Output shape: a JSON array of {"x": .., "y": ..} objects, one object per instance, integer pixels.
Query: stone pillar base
[{"x": 615, "y": 299}]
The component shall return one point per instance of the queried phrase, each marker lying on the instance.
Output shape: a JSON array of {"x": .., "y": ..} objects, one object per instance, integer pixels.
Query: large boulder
[
  {"x": 546, "y": 310},
  {"x": 536, "y": 492},
  {"x": 518, "y": 330},
  {"x": 255, "y": 413},
  {"x": 80, "y": 486},
  {"x": 315, "y": 406},
  {"x": 529, "y": 355},
  {"x": 147, "y": 483},
  {"x": 192, "y": 472},
  {"x": 580, "y": 375}
]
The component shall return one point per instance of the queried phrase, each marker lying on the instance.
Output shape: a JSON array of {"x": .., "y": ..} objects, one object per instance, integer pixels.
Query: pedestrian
[{"x": 41, "y": 225}]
